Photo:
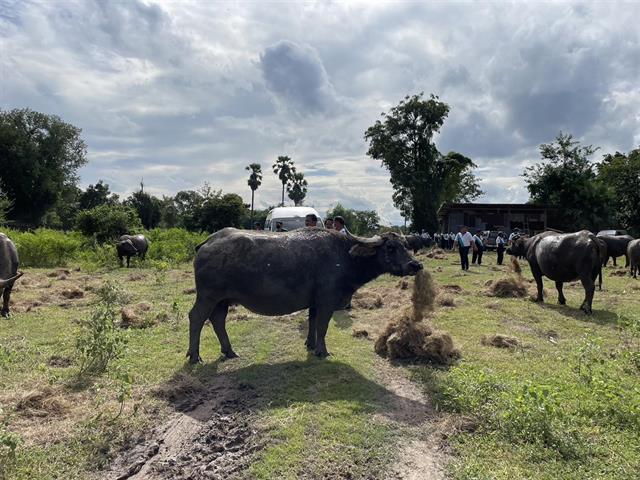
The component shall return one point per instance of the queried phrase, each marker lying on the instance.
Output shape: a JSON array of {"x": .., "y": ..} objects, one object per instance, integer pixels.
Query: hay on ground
[
  {"x": 452, "y": 288},
  {"x": 367, "y": 300},
  {"x": 133, "y": 317},
  {"x": 72, "y": 293},
  {"x": 437, "y": 254},
  {"x": 446, "y": 300},
  {"x": 189, "y": 291},
  {"x": 42, "y": 403},
  {"x": 403, "y": 284},
  {"x": 499, "y": 341},
  {"x": 618, "y": 273},
  {"x": 409, "y": 337},
  {"x": 511, "y": 286},
  {"x": 360, "y": 333}
]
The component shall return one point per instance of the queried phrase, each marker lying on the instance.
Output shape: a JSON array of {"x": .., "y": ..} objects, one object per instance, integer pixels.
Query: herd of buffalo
[{"x": 274, "y": 273}]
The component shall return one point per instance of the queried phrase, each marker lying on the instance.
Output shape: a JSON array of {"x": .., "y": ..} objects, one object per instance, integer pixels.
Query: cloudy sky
[{"x": 185, "y": 92}]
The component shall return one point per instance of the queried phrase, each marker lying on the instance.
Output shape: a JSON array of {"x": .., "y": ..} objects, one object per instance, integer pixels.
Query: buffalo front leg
[
  {"x": 589, "y": 290},
  {"x": 561, "y": 299},
  {"x": 128, "y": 260},
  {"x": 322, "y": 324},
  {"x": 537, "y": 275},
  {"x": 311, "y": 335},
  {"x": 197, "y": 316},
  {"x": 219, "y": 321}
]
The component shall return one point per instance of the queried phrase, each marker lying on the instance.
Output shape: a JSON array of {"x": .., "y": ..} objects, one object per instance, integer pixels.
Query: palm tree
[
  {"x": 297, "y": 187},
  {"x": 284, "y": 169},
  {"x": 255, "y": 180}
]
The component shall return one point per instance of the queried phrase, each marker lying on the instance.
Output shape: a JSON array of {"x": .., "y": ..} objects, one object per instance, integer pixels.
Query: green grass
[{"x": 560, "y": 409}]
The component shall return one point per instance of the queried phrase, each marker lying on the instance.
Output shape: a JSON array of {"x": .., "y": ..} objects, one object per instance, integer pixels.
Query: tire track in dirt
[{"x": 211, "y": 438}]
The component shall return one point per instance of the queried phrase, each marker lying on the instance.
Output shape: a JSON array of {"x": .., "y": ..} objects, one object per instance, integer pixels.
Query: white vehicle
[{"x": 291, "y": 218}]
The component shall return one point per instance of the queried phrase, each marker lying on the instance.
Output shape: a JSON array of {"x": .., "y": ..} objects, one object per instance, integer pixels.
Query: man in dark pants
[
  {"x": 500, "y": 247},
  {"x": 464, "y": 240},
  {"x": 478, "y": 248}
]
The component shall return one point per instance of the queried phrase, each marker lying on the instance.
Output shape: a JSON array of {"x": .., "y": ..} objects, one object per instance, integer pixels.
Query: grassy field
[{"x": 565, "y": 403}]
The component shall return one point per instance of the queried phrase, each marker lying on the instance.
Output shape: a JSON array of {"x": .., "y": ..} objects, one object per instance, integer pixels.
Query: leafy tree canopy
[
  {"x": 421, "y": 176},
  {"x": 98, "y": 194},
  {"x": 297, "y": 188},
  {"x": 39, "y": 156},
  {"x": 620, "y": 174},
  {"x": 566, "y": 179},
  {"x": 148, "y": 207},
  {"x": 108, "y": 222},
  {"x": 358, "y": 222}
]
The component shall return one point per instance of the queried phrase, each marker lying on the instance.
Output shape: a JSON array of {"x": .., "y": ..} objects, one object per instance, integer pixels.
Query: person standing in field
[
  {"x": 500, "y": 247},
  {"x": 338, "y": 224},
  {"x": 464, "y": 240},
  {"x": 478, "y": 248}
]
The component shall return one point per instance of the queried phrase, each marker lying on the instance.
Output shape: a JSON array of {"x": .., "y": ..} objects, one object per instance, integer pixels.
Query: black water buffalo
[
  {"x": 616, "y": 247},
  {"x": 8, "y": 271},
  {"x": 417, "y": 242},
  {"x": 130, "y": 246},
  {"x": 280, "y": 273},
  {"x": 562, "y": 258},
  {"x": 633, "y": 254}
]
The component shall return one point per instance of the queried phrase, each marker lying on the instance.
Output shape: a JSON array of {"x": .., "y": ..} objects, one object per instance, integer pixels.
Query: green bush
[
  {"x": 108, "y": 222},
  {"x": 47, "y": 248},
  {"x": 173, "y": 245}
]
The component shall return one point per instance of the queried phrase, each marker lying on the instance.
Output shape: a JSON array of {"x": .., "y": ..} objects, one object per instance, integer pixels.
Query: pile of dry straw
[{"x": 410, "y": 337}]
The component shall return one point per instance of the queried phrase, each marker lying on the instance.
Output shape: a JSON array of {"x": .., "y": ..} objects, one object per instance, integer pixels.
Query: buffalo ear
[{"x": 360, "y": 250}]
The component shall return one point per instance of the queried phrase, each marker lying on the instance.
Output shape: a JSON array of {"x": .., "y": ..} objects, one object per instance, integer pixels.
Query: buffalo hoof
[
  {"x": 309, "y": 345},
  {"x": 586, "y": 309},
  {"x": 321, "y": 354},
  {"x": 5, "y": 313},
  {"x": 562, "y": 301},
  {"x": 230, "y": 354},
  {"x": 539, "y": 300},
  {"x": 194, "y": 359}
]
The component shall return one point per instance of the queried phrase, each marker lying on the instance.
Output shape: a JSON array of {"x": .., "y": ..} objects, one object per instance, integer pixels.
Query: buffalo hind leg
[
  {"x": 589, "y": 289},
  {"x": 219, "y": 321},
  {"x": 311, "y": 336},
  {"x": 561, "y": 299},
  {"x": 197, "y": 316}
]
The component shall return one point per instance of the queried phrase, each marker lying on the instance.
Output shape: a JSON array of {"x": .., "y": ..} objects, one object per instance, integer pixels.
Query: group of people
[
  {"x": 476, "y": 243},
  {"x": 311, "y": 220}
]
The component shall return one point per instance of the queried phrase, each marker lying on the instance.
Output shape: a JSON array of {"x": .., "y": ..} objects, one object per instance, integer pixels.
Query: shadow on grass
[
  {"x": 602, "y": 317},
  {"x": 263, "y": 386}
]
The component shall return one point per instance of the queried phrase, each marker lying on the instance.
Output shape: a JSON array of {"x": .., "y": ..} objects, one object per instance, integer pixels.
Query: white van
[{"x": 291, "y": 218}]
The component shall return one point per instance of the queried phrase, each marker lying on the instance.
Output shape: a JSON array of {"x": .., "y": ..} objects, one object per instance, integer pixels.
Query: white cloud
[{"x": 180, "y": 93}]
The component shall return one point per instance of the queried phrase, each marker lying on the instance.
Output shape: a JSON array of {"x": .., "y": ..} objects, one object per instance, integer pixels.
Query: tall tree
[
  {"x": 566, "y": 179},
  {"x": 255, "y": 180},
  {"x": 422, "y": 178},
  {"x": 98, "y": 194},
  {"x": 39, "y": 156},
  {"x": 297, "y": 188},
  {"x": 5, "y": 206},
  {"x": 620, "y": 173},
  {"x": 149, "y": 208},
  {"x": 220, "y": 211},
  {"x": 284, "y": 169}
]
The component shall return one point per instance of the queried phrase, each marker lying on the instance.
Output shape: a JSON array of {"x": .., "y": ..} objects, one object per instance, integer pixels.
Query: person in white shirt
[
  {"x": 479, "y": 248},
  {"x": 500, "y": 247},
  {"x": 514, "y": 234},
  {"x": 464, "y": 240},
  {"x": 338, "y": 224}
]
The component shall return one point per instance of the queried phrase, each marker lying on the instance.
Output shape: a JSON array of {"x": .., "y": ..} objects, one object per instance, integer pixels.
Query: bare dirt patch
[
  {"x": 58, "y": 361},
  {"x": 211, "y": 437},
  {"x": 72, "y": 293}
]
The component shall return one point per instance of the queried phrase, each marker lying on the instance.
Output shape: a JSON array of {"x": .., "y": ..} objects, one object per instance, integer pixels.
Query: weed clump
[
  {"x": 409, "y": 337},
  {"x": 100, "y": 340}
]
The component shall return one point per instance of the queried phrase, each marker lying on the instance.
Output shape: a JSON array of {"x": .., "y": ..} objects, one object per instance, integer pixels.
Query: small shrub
[
  {"x": 101, "y": 341},
  {"x": 9, "y": 442},
  {"x": 108, "y": 222},
  {"x": 174, "y": 245}
]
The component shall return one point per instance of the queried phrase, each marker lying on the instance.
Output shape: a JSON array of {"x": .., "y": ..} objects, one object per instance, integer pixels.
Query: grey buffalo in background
[
  {"x": 616, "y": 247},
  {"x": 8, "y": 271},
  {"x": 633, "y": 254},
  {"x": 280, "y": 273},
  {"x": 562, "y": 258},
  {"x": 417, "y": 243},
  {"x": 131, "y": 246}
]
